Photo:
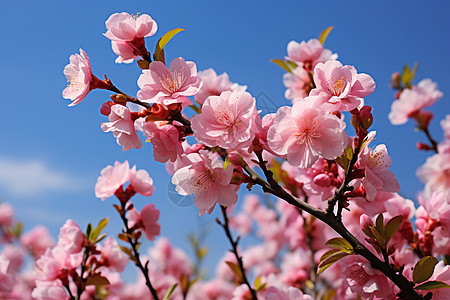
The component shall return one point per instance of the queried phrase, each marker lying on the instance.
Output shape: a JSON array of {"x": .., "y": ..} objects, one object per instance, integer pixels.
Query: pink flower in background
[
  {"x": 169, "y": 85},
  {"x": 6, "y": 214},
  {"x": 50, "y": 290},
  {"x": 309, "y": 54},
  {"x": 339, "y": 87},
  {"x": 149, "y": 218},
  {"x": 297, "y": 84},
  {"x": 227, "y": 120},
  {"x": 115, "y": 258},
  {"x": 142, "y": 182},
  {"x": 127, "y": 33},
  {"x": 207, "y": 179},
  {"x": 304, "y": 134},
  {"x": 6, "y": 278},
  {"x": 165, "y": 139},
  {"x": 445, "y": 125},
  {"x": 48, "y": 267},
  {"x": 37, "y": 240},
  {"x": 112, "y": 178},
  {"x": 169, "y": 259},
  {"x": 424, "y": 94},
  {"x": 79, "y": 74},
  {"x": 377, "y": 177},
  {"x": 122, "y": 126},
  {"x": 435, "y": 173},
  {"x": 214, "y": 85}
]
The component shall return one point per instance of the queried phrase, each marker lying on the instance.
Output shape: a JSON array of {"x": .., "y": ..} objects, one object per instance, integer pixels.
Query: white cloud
[{"x": 33, "y": 178}]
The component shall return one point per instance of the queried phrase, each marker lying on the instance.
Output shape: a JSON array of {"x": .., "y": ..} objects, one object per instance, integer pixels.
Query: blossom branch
[
  {"x": 234, "y": 243},
  {"x": 271, "y": 186},
  {"x": 133, "y": 241},
  {"x": 114, "y": 89},
  {"x": 430, "y": 138}
]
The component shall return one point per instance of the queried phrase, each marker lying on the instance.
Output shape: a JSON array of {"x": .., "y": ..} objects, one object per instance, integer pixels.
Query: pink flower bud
[
  {"x": 366, "y": 116},
  {"x": 149, "y": 217},
  {"x": 365, "y": 221},
  {"x": 322, "y": 180},
  {"x": 105, "y": 109}
]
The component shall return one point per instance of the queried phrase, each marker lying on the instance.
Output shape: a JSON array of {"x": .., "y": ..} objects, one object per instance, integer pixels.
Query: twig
[
  {"x": 430, "y": 138},
  {"x": 234, "y": 244}
]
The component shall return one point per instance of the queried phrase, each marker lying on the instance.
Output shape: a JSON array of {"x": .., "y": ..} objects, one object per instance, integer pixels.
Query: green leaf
[
  {"x": 97, "y": 280},
  {"x": 446, "y": 259},
  {"x": 330, "y": 260},
  {"x": 288, "y": 66},
  {"x": 431, "y": 285},
  {"x": 202, "y": 252},
  {"x": 258, "y": 285},
  {"x": 226, "y": 163},
  {"x": 391, "y": 227},
  {"x": 128, "y": 252},
  {"x": 329, "y": 295},
  {"x": 348, "y": 152},
  {"x": 88, "y": 231},
  {"x": 380, "y": 223},
  {"x": 169, "y": 291},
  {"x": 329, "y": 253},
  {"x": 96, "y": 232},
  {"x": 379, "y": 237},
  {"x": 323, "y": 35},
  {"x": 424, "y": 268},
  {"x": 339, "y": 243},
  {"x": 408, "y": 74},
  {"x": 159, "y": 53},
  {"x": 143, "y": 64},
  {"x": 235, "y": 269}
]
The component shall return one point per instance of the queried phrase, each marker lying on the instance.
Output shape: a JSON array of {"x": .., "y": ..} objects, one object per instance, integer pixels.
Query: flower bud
[
  {"x": 322, "y": 180},
  {"x": 366, "y": 116},
  {"x": 105, "y": 109},
  {"x": 119, "y": 98}
]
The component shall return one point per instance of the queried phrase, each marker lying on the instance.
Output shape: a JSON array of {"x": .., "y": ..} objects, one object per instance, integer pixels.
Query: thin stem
[
  {"x": 114, "y": 89},
  {"x": 271, "y": 186},
  {"x": 134, "y": 247},
  {"x": 430, "y": 138},
  {"x": 234, "y": 244}
]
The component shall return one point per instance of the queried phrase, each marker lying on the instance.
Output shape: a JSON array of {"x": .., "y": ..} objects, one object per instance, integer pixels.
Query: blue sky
[{"x": 51, "y": 154}]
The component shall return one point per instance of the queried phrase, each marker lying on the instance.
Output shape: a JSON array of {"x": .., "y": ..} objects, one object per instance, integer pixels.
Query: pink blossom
[
  {"x": 116, "y": 259},
  {"x": 377, "y": 177},
  {"x": 169, "y": 85},
  {"x": 79, "y": 74},
  {"x": 424, "y": 94},
  {"x": 287, "y": 293},
  {"x": 435, "y": 173},
  {"x": 6, "y": 278},
  {"x": 214, "y": 85},
  {"x": 339, "y": 87},
  {"x": 71, "y": 238},
  {"x": 215, "y": 289},
  {"x": 37, "y": 240},
  {"x": 227, "y": 120},
  {"x": 207, "y": 179},
  {"x": 142, "y": 182},
  {"x": 165, "y": 139},
  {"x": 297, "y": 83},
  {"x": 48, "y": 267},
  {"x": 304, "y": 134},
  {"x": 67, "y": 260},
  {"x": 15, "y": 255},
  {"x": 149, "y": 218},
  {"x": 122, "y": 126},
  {"x": 6, "y": 214},
  {"x": 364, "y": 280},
  {"x": 309, "y": 54},
  {"x": 445, "y": 125},
  {"x": 295, "y": 267},
  {"x": 111, "y": 179},
  {"x": 127, "y": 33},
  {"x": 50, "y": 290},
  {"x": 169, "y": 259}
]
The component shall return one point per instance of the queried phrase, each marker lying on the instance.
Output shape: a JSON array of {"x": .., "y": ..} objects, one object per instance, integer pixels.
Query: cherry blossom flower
[
  {"x": 6, "y": 214},
  {"x": 339, "y": 87},
  {"x": 122, "y": 126},
  {"x": 424, "y": 94},
  {"x": 435, "y": 173},
  {"x": 304, "y": 134},
  {"x": 165, "y": 139},
  {"x": 227, "y": 120},
  {"x": 141, "y": 181},
  {"x": 377, "y": 177},
  {"x": 214, "y": 85},
  {"x": 169, "y": 259},
  {"x": 127, "y": 33},
  {"x": 70, "y": 238},
  {"x": 309, "y": 54},
  {"x": 113, "y": 257},
  {"x": 78, "y": 72},
  {"x": 207, "y": 179},
  {"x": 6, "y": 278},
  {"x": 169, "y": 85},
  {"x": 50, "y": 290},
  {"x": 112, "y": 178},
  {"x": 297, "y": 84},
  {"x": 149, "y": 218}
]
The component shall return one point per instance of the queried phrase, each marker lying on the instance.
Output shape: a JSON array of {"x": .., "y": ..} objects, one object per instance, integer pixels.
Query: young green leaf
[
  {"x": 169, "y": 291},
  {"x": 159, "y": 54},
  {"x": 235, "y": 269},
  {"x": 380, "y": 223},
  {"x": 339, "y": 243},
  {"x": 288, "y": 66},
  {"x": 424, "y": 268},
  {"x": 330, "y": 260},
  {"x": 96, "y": 232},
  {"x": 391, "y": 227},
  {"x": 431, "y": 285},
  {"x": 323, "y": 35},
  {"x": 97, "y": 280}
]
